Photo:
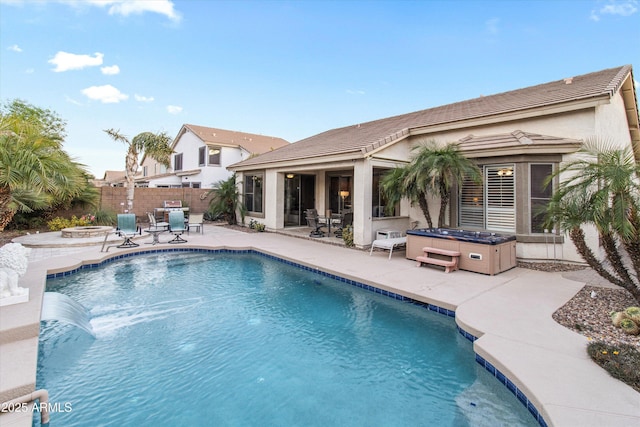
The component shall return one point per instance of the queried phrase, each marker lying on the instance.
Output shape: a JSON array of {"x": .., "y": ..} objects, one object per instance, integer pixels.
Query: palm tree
[
  {"x": 155, "y": 145},
  {"x": 35, "y": 173},
  {"x": 441, "y": 168},
  {"x": 226, "y": 200},
  {"x": 602, "y": 190},
  {"x": 401, "y": 182}
]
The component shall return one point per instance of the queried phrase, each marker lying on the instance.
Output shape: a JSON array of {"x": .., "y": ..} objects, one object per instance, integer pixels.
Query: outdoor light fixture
[
  {"x": 344, "y": 194},
  {"x": 290, "y": 175},
  {"x": 505, "y": 172}
]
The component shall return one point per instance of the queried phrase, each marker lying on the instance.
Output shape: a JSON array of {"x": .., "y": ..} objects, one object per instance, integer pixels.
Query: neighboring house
[
  {"x": 201, "y": 156},
  {"x": 517, "y": 138},
  {"x": 111, "y": 179}
]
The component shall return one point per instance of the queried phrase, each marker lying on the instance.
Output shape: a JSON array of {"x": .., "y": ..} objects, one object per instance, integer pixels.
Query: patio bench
[{"x": 450, "y": 262}]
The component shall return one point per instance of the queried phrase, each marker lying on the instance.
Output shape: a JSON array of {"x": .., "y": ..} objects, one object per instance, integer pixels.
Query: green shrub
[
  {"x": 59, "y": 223},
  {"x": 104, "y": 217},
  {"x": 347, "y": 236}
]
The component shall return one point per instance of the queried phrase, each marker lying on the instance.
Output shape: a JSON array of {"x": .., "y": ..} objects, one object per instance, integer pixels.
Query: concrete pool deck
[{"x": 510, "y": 313}]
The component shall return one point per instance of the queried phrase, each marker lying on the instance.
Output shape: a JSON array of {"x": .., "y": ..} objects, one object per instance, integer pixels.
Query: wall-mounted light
[
  {"x": 290, "y": 175},
  {"x": 505, "y": 172}
]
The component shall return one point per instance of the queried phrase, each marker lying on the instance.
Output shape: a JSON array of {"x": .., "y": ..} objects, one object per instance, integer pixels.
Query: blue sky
[{"x": 289, "y": 69}]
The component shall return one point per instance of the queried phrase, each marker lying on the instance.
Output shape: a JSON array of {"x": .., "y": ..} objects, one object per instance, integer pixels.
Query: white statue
[{"x": 14, "y": 259}]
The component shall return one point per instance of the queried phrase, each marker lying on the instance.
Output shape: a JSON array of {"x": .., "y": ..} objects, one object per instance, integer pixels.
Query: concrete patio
[{"x": 510, "y": 313}]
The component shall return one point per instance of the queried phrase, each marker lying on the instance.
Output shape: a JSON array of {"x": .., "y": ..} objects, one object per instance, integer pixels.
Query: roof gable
[
  {"x": 253, "y": 143},
  {"x": 364, "y": 137}
]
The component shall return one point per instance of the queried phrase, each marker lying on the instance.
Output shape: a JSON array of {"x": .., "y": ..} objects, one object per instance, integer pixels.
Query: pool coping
[{"x": 485, "y": 356}]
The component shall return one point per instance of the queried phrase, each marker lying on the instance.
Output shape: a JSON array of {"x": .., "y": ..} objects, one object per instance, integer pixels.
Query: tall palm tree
[
  {"x": 437, "y": 169},
  {"x": 35, "y": 172},
  {"x": 155, "y": 145},
  {"x": 602, "y": 189}
]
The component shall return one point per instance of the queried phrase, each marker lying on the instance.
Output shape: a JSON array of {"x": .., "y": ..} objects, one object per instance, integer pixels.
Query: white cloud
[
  {"x": 622, "y": 8},
  {"x": 106, "y": 94},
  {"x": 174, "y": 109},
  {"x": 355, "y": 92},
  {"x": 30, "y": 71},
  {"x": 110, "y": 70},
  {"x": 492, "y": 25},
  {"x": 65, "y": 61},
  {"x": 15, "y": 48},
  {"x": 137, "y": 7},
  {"x": 141, "y": 98}
]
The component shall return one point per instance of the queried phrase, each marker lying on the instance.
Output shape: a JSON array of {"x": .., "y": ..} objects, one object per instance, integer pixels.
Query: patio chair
[
  {"x": 347, "y": 219},
  {"x": 177, "y": 226},
  {"x": 196, "y": 221},
  {"x": 155, "y": 224},
  {"x": 127, "y": 228},
  {"x": 312, "y": 221}
]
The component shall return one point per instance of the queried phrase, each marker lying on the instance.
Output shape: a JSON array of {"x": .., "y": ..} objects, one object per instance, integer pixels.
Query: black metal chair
[
  {"x": 347, "y": 219},
  {"x": 312, "y": 221}
]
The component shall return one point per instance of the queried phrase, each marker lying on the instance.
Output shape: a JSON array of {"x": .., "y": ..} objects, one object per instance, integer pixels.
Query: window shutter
[
  {"x": 500, "y": 197},
  {"x": 471, "y": 205}
]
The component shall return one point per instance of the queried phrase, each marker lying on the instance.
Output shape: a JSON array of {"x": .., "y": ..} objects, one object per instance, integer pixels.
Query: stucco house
[
  {"x": 201, "y": 156},
  {"x": 517, "y": 138}
]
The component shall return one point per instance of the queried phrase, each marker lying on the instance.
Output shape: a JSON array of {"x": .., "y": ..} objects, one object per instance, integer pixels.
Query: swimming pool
[{"x": 241, "y": 339}]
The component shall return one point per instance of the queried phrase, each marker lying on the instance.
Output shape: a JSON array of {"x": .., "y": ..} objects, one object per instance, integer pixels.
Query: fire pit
[{"x": 86, "y": 231}]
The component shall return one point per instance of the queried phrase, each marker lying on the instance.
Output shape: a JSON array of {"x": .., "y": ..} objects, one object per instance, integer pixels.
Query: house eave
[
  {"x": 297, "y": 163},
  {"x": 513, "y": 116},
  {"x": 532, "y": 150}
]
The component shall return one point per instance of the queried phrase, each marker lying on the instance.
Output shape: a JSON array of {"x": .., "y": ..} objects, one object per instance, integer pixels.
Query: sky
[{"x": 289, "y": 69}]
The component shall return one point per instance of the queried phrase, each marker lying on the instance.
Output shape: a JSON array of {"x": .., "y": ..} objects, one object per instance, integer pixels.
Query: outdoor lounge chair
[
  {"x": 196, "y": 221},
  {"x": 312, "y": 221},
  {"x": 177, "y": 226},
  {"x": 394, "y": 240},
  {"x": 127, "y": 228}
]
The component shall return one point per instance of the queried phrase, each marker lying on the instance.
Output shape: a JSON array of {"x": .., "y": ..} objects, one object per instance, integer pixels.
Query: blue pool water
[{"x": 198, "y": 339}]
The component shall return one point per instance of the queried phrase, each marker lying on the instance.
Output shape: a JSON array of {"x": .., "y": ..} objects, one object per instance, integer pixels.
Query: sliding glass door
[{"x": 299, "y": 195}]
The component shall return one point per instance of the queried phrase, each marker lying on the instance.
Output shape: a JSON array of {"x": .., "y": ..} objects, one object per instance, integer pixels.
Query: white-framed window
[
  {"x": 539, "y": 194},
  {"x": 177, "y": 162},
  {"x": 202, "y": 156},
  {"x": 145, "y": 171},
  {"x": 253, "y": 192},
  {"x": 492, "y": 204},
  {"x": 213, "y": 156}
]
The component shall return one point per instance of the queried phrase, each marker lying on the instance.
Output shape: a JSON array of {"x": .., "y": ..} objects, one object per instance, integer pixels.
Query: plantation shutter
[
  {"x": 500, "y": 198},
  {"x": 471, "y": 205}
]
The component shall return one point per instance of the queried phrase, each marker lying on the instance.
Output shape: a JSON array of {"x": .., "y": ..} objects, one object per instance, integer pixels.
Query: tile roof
[
  {"x": 255, "y": 144},
  {"x": 361, "y": 138}
]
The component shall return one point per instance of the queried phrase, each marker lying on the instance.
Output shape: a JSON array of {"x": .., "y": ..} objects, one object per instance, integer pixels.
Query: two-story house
[{"x": 201, "y": 156}]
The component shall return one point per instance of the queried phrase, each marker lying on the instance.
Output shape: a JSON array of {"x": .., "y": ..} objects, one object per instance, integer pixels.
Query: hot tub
[{"x": 480, "y": 251}]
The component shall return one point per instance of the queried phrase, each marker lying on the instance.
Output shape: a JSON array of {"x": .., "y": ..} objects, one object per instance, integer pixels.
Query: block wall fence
[{"x": 145, "y": 200}]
